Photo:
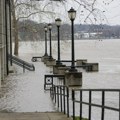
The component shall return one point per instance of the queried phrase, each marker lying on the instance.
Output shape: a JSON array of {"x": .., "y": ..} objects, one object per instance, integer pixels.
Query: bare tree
[
  {"x": 45, "y": 10},
  {"x": 24, "y": 9}
]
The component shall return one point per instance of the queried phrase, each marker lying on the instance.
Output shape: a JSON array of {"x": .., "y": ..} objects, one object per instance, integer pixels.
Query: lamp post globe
[
  {"x": 58, "y": 23},
  {"x": 45, "y": 29},
  {"x": 72, "y": 15},
  {"x": 50, "y": 27}
]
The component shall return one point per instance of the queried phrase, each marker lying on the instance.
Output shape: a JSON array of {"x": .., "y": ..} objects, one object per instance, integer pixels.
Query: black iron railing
[
  {"x": 91, "y": 104},
  {"x": 22, "y": 63},
  {"x": 35, "y": 59},
  {"x": 86, "y": 66},
  {"x": 60, "y": 95}
]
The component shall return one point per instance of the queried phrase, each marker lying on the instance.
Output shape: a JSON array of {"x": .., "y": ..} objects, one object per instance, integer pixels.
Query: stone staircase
[{"x": 34, "y": 116}]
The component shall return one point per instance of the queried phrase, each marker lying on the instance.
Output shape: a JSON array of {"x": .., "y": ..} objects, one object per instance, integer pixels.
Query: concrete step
[{"x": 34, "y": 116}]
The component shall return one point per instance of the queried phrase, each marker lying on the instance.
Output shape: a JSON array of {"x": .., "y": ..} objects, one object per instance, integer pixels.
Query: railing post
[
  {"x": 90, "y": 97},
  {"x": 61, "y": 97},
  {"x": 64, "y": 98},
  {"x": 103, "y": 103},
  {"x": 45, "y": 82},
  {"x": 23, "y": 67},
  {"x": 58, "y": 95},
  {"x": 80, "y": 104},
  {"x": 67, "y": 102},
  {"x": 73, "y": 101},
  {"x": 55, "y": 93},
  {"x": 119, "y": 105}
]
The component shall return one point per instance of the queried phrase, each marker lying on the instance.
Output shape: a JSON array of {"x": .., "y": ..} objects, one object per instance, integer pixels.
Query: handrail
[
  {"x": 90, "y": 103},
  {"x": 22, "y": 63},
  {"x": 60, "y": 95}
]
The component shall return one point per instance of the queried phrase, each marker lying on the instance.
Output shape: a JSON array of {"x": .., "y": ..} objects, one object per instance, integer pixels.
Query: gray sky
[{"x": 108, "y": 12}]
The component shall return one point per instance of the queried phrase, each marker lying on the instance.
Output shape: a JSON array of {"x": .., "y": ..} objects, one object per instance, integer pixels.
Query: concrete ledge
[
  {"x": 11, "y": 69},
  {"x": 73, "y": 78},
  {"x": 56, "y": 68},
  {"x": 92, "y": 67},
  {"x": 62, "y": 70},
  {"x": 80, "y": 61},
  {"x": 50, "y": 62},
  {"x": 44, "y": 58}
]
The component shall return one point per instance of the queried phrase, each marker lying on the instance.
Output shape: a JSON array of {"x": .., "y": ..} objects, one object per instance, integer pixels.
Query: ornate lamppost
[
  {"x": 45, "y": 28},
  {"x": 72, "y": 15},
  {"x": 50, "y": 27},
  {"x": 58, "y": 23}
]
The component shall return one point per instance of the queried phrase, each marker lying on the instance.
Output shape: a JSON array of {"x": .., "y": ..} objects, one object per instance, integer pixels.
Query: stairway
[{"x": 34, "y": 116}]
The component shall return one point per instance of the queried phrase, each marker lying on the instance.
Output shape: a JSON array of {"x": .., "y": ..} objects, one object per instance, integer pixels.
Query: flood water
[{"x": 24, "y": 92}]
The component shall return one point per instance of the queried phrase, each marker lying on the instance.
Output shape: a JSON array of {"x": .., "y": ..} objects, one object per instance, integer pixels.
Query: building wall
[{"x": 3, "y": 35}]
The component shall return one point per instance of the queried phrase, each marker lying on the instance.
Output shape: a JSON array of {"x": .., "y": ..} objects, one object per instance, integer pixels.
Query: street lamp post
[
  {"x": 50, "y": 27},
  {"x": 45, "y": 28},
  {"x": 58, "y": 23},
  {"x": 72, "y": 15}
]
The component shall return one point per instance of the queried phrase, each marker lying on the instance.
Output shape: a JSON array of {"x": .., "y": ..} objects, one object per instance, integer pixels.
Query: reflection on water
[{"x": 23, "y": 92}]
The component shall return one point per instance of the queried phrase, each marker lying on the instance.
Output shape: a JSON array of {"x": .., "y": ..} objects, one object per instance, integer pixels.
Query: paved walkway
[{"x": 34, "y": 116}]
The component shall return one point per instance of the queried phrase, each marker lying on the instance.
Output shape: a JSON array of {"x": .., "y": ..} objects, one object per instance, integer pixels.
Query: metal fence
[
  {"x": 61, "y": 96},
  {"x": 90, "y": 103}
]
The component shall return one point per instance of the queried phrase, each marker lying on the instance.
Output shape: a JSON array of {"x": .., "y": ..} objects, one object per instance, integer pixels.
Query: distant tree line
[{"x": 32, "y": 31}]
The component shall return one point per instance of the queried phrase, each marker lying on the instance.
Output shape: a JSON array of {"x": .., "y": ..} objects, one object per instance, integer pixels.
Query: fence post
[
  {"x": 23, "y": 67},
  {"x": 73, "y": 100},
  {"x": 58, "y": 95},
  {"x": 80, "y": 104},
  {"x": 55, "y": 93},
  {"x": 61, "y": 97},
  {"x": 103, "y": 103},
  {"x": 90, "y": 97},
  {"x": 64, "y": 98},
  {"x": 119, "y": 105},
  {"x": 67, "y": 102}
]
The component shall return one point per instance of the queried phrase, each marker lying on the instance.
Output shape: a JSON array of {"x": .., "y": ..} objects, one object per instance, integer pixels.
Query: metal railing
[
  {"x": 86, "y": 66},
  {"x": 60, "y": 95},
  {"x": 91, "y": 104},
  {"x": 35, "y": 59},
  {"x": 22, "y": 63}
]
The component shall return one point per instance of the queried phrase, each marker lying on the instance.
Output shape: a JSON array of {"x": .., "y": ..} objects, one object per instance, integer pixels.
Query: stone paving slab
[{"x": 34, "y": 116}]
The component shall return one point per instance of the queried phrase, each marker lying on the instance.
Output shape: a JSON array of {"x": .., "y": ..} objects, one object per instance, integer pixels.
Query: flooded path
[{"x": 24, "y": 92}]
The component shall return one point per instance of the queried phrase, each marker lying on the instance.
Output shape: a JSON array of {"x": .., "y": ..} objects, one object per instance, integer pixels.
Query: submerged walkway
[
  {"x": 34, "y": 116},
  {"x": 23, "y": 96},
  {"x": 24, "y": 92}
]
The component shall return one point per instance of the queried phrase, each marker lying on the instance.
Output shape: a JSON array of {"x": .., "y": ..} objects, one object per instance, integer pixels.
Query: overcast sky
[
  {"x": 108, "y": 13},
  {"x": 112, "y": 10}
]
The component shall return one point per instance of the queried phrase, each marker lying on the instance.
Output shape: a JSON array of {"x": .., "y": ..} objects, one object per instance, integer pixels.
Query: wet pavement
[{"x": 24, "y": 92}]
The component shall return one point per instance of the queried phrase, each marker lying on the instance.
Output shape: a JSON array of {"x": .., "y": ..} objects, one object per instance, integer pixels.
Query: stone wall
[{"x": 3, "y": 61}]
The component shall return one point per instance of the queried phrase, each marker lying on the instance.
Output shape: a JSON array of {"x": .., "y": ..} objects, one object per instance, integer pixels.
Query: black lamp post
[
  {"x": 58, "y": 23},
  {"x": 72, "y": 15},
  {"x": 50, "y": 27},
  {"x": 45, "y": 28}
]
